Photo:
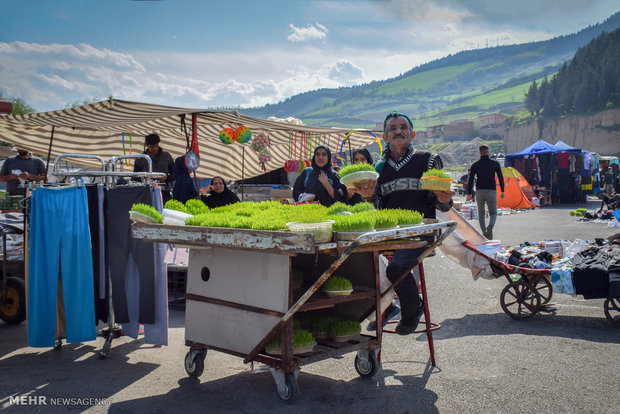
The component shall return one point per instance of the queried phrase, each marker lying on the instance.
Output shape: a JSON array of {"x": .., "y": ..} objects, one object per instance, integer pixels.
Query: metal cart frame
[{"x": 285, "y": 367}]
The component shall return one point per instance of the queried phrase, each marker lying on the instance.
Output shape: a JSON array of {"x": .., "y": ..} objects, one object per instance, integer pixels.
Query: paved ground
[{"x": 486, "y": 362}]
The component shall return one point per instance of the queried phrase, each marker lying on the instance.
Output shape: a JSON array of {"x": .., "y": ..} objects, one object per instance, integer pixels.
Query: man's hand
[
  {"x": 444, "y": 196},
  {"x": 502, "y": 195},
  {"x": 24, "y": 175},
  {"x": 469, "y": 197},
  {"x": 366, "y": 188},
  {"x": 310, "y": 198}
]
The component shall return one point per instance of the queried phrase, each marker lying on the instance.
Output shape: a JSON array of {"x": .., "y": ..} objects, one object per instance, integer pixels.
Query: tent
[
  {"x": 541, "y": 147},
  {"x": 114, "y": 127},
  {"x": 516, "y": 188},
  {"x": 564, "y": 147}
]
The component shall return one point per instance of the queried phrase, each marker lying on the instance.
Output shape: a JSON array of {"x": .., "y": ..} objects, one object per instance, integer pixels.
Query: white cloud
[{"x": 310, "y": 32}]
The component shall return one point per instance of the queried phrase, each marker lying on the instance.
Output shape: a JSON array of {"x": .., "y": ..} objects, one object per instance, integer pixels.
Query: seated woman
[
  {"x": 360, "y": 156},
  {"x": 320, "y": 183},
  {"x": 184, "y": 188},
  {"x": 219, "y": 194}
]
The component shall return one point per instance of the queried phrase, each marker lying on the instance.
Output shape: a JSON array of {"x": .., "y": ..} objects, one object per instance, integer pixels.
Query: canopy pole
[
  {"x": 243, "y": 173},
  {"x": 49, "y": 153}
]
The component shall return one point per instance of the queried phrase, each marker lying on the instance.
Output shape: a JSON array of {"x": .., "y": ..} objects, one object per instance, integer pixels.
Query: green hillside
[{"x": 463, "y": 85}]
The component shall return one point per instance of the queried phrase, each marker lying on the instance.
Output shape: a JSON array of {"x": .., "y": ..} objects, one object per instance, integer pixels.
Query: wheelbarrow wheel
[
  {"x": 520, "y": 300},
  {"x": 545, "y": 290},
  {"x": 195, "y": 362},
  {"x": 13, "y": 310},
  {"x": 291, "y": 389},
  {"x": 367, "y": 368},
  {"x": 612, "y": 310}
]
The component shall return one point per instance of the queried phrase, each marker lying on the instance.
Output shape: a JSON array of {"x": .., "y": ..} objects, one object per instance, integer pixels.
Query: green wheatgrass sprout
[
  {"x": 344, "y": 328},
  {"x": 303, "y": 321},
  {"x": 384, "y": 219},
  {"x": 406, "y": 217},
  {"x": 147, "y": 210},
  {"x": 338, "y": 283},
  {"x": 359, "y": 207},
  {"x": 434, "y": 172},
  {"x": 175, "y": 205},
  {"x": 353, "y": 168},
  {"x": 354, "y": 223},
  {"x": 322, "y": 325},
  {"x": 338, "y": 208},
  {"x": 195, "y": 207},
  {"x": 582, "y": 210},
  {"x": 301, "y": 339}
]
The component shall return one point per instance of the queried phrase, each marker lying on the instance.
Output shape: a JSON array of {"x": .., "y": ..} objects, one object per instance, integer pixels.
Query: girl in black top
[
  {"x": 360, "y": 156},
  {"x": 219, "y": 194},
  {"x": 320, "y": 183}
]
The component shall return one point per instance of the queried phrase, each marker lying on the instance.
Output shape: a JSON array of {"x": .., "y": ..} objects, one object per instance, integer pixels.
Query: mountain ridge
[{"x": 424, "y": 91}]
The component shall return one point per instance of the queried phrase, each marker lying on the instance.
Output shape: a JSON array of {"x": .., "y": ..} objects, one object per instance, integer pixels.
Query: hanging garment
[
  {"x": 59, "y": 234},
  {"x": 120, "y": 245},
  {"x": 157, "y": 332},
  {"x": 95, "y": 195}
]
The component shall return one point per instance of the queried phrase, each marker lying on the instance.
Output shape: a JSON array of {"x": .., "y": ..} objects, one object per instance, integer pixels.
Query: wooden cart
[{"x": 240, "y": 292}]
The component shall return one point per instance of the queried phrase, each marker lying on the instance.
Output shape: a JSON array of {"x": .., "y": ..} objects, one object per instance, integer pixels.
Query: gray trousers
[{"x": 488, "y": 197}]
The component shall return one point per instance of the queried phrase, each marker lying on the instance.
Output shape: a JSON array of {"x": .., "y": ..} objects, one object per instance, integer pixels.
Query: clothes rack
[{"x": 108, "y": 172}]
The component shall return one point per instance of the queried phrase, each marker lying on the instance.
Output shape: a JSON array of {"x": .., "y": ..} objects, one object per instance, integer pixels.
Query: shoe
[
  {"x": 489, "y": 233},
  {"x": 390, "y": 313},
  {"x": 403, "y": 329}
]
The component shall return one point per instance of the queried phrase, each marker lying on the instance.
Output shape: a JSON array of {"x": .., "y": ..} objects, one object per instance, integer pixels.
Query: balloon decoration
[
  {"x": 227, "y": 135},
  {"x": 243, "y": 134},
  {"x": 260, "y": 144}
]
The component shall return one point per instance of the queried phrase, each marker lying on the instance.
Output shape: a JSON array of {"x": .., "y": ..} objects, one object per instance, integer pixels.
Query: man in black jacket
[
  {"x": 398, "y": 186},
  {"x": 484, "y": 170},
  {"x": 162, "y": 162}
]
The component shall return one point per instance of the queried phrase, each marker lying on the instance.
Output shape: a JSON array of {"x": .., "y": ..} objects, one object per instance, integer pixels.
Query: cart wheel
[
  {"x": 13, "y": 310},
  {"x": 545, "y": 290},
  {"x": 195, "y": 363},
  {"x": 367, "y": 368},
  {"x": 612, "y": 310},
  {"x": 291, "y": 390},
  {"x": 520, "y": 300}
]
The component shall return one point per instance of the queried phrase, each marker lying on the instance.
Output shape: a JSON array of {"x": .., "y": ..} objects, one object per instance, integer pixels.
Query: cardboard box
[{"x": 278, "y": 194}]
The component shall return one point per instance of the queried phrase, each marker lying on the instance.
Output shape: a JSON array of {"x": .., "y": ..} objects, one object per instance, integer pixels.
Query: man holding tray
[{"x": 400, "y": 168}]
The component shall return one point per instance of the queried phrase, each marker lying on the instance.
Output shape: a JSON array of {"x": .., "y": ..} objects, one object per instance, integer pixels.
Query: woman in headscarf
[
  {"x": 360, "y": 156},
  {"x": 321, "y": 183},
  {"x": 219, "y": 194},
  {"x": 184, "y": 188}
]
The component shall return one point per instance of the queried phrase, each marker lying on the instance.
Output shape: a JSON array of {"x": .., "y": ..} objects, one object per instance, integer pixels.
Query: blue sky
[{"x": 210, "y": 53}]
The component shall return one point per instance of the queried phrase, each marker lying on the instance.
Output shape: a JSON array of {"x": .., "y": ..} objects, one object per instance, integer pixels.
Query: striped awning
[{"x": 114, "y": 127}]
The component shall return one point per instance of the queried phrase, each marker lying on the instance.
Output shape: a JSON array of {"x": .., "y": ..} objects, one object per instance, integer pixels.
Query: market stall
[
  {"x": 241, "y": 293},
  {"x": 550, "y": 170}
]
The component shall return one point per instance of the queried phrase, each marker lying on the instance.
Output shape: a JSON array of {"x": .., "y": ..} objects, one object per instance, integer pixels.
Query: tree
[
  {"x": 531, "y": 97},
  {"x": 19, "y": 105}
]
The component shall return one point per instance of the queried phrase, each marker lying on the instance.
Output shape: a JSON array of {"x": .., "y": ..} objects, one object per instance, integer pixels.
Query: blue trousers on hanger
[{"x": 60, "y": 238}]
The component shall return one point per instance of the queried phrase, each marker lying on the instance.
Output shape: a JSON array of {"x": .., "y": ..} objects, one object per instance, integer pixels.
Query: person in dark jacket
[
  {"x": 321, "y": 183},
  {"x": 400, "y": 168},
  {"x": 219, "y": 194},
  {"x": 484, "y": 171},
  {"x": 184, "y": 188},
  {"x": 162, "y": 162},
  {"x": 360, "y": 156}
]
